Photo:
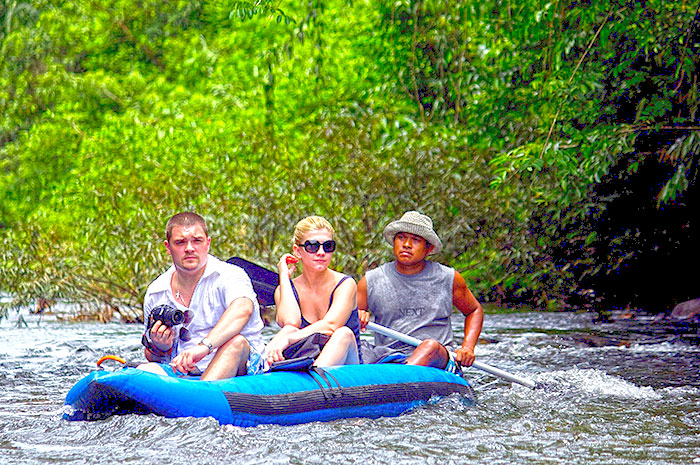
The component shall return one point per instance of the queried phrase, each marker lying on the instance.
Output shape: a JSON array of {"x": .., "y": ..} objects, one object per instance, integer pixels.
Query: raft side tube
[
  {"x": 351, "y": 402},
  {"x": 279, "y": 398}
]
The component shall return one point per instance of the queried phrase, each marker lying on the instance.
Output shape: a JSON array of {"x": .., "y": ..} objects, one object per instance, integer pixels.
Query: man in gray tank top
[{"x": 416, "y": 296}]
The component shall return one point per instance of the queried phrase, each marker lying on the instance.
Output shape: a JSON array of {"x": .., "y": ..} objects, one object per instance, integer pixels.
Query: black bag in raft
[{"x": 300, "y": 356}]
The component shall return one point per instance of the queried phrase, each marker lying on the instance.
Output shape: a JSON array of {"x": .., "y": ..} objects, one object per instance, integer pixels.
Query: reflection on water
[{"x": 603, "y": 401}]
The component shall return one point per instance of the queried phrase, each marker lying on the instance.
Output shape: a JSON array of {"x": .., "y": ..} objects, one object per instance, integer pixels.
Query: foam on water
[
  {"x": 594, "y": 408},
  {"x": 596, "y": 383},
  {"x": 665, "y": 348}
]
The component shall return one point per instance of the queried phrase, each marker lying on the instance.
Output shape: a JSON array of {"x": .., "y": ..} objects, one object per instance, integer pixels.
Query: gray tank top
[{"x": 419, "y": 305}]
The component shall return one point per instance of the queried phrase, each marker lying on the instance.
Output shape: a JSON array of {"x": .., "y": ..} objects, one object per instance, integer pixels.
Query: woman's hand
[
  {"x": 287, "y": 265},
  {"x": 275, "y": 347}
]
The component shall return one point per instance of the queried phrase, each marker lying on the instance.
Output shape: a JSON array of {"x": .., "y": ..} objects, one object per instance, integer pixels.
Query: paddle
[
  {"x": 265, "y": 281},
  {"x": 481, "y": 366}
]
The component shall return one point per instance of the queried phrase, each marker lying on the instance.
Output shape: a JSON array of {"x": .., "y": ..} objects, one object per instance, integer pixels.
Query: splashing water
[{"x": 636, "y": 404}]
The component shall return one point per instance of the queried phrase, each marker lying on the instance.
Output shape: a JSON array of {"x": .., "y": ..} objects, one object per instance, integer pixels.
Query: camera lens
[{"x": 168, "y": 315}]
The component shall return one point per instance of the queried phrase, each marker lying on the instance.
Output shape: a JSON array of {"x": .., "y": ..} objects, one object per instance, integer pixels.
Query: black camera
[{"x": 169, "y": 316}]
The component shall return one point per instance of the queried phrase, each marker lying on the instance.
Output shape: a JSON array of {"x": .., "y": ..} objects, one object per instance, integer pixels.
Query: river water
[{"x": 612, "y": 394}]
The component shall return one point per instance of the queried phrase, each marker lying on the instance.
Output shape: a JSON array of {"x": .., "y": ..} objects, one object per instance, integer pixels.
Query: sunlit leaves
[{"x": 493, "y": 117}]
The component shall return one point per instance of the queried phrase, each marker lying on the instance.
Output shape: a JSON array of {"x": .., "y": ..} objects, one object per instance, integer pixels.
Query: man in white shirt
[{"x": 221, "y": 334}]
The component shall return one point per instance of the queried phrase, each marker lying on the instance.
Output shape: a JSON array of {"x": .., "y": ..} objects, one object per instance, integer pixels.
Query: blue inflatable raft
[{"x": 284, "y": 398}]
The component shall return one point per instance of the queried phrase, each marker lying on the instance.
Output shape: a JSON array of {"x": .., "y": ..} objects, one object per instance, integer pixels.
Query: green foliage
[
  {"x": 495, "y": 118},
  {"x": 593, "y": 109}
]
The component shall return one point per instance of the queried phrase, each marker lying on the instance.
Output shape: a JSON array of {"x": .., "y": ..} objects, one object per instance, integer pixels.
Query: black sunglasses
[
  {"x": 185, "y": 334},
  {"x": 313, "y": 246}
]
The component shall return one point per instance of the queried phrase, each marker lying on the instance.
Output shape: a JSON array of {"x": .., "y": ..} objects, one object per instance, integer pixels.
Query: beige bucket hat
[{"x": 415, "y": 223}]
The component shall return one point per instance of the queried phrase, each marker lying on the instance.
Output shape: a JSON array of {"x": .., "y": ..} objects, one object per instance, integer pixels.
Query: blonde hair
[{"x": 311, "y": 223}]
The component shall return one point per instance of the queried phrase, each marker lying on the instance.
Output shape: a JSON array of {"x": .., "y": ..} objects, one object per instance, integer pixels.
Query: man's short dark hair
[{"x": 185, "y": 219}]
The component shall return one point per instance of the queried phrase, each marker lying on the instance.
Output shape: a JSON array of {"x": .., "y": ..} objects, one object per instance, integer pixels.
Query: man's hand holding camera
[{"x": 162, "y": 336}]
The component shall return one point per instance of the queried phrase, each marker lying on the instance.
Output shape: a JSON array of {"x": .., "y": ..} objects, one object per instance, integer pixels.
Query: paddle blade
[{"x": 264, "y": 281}]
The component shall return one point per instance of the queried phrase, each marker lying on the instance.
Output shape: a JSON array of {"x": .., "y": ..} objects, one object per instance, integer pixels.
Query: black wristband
[{"x": 146, "y": 341}]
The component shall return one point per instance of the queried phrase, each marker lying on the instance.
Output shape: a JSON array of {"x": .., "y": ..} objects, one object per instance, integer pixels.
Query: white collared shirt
[{"x": 220, "y": 284}]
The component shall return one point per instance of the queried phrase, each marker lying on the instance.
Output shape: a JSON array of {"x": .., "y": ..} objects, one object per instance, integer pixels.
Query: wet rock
[
  {"x": 687, "y": 310},
  {"x": 592, "y": 340}
]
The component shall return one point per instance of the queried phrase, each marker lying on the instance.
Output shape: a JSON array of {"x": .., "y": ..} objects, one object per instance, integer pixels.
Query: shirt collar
[{"x": 162, "y": 283}]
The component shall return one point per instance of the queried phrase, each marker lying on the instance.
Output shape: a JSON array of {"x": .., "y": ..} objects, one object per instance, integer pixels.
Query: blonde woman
[{"x": 319, "y": 300}]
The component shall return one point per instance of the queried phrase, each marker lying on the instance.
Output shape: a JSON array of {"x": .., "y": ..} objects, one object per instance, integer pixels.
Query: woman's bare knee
[
  {"x": 343, "y": 334},
  {"x": 341, "y": 349}
]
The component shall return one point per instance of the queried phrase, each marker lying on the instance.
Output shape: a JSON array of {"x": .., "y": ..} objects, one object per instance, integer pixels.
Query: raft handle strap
[
  {"x": 323, "y": 390},
  {"x": 116, "y": 358},
  {"x": 334, "y": 392}
]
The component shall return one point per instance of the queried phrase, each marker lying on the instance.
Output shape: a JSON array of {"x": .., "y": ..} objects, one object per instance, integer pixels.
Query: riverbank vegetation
[{"x": 507, "y": 122}]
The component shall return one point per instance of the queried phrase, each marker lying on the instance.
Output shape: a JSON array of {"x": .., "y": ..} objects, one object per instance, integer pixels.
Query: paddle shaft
[
  {"x": 264, "y": 282},
  {"x": 410, "y": 340}
]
